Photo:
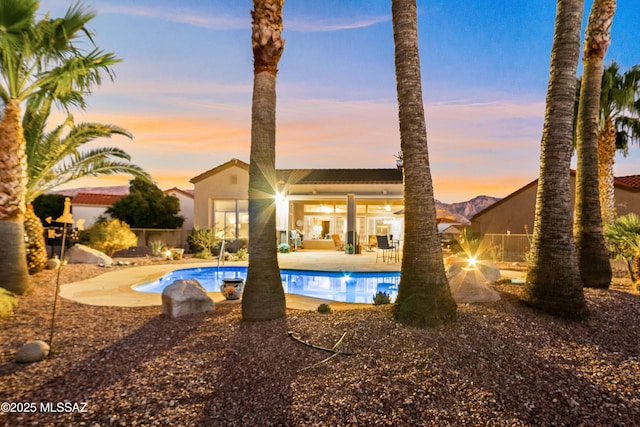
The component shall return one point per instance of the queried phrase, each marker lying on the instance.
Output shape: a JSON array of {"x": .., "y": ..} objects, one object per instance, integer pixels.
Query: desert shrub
[
  {"x": 109, "y": 236},
  {"x": 203, "y": 254},
  {"x": 7, "y": 302},
  {"x": 241, "y": 254},
  {"x": 203, "y": 240},
  {"x": 284, "y": 248},
  {"x": 381, "y": 298},
  {"x": 324, "y": 308},
  {"x": 624, "y": 240},
  {"x": 157, "y": 247}
]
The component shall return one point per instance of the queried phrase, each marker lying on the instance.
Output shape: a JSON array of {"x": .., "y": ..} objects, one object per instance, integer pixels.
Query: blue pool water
[{"x": 336, "y": 286}]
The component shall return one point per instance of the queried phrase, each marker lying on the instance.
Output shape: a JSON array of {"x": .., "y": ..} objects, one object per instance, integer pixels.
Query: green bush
[
  {"x": 203, "y": 240},
  {"x": 109, "y": 236},
  {"x": 381, "y": 298},
  {"x": 203, "y": 254},
  {"x": 324, "y": 308},
  {"x": 157, "y": 247},
  {"x": 7, "y": 302},
  {"x": 284, "y": 248},
  {"x": 242, "y": 254}
]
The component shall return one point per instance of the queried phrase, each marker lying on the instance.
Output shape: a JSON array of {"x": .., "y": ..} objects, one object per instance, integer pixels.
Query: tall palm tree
[
  {"x": 424, "y": 297},
  {"x": 553, "y": 282},
  {"x": 619, "y": 125},
  {"x": 593, "y": 254},
  {"x": 263, "y": 297},
  {"x": 37, "y": 60},
  {"x": 54, "y": 158}
]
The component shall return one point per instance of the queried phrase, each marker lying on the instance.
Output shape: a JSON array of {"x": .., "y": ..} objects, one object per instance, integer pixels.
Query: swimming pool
[{"x": 337, "y": 286}]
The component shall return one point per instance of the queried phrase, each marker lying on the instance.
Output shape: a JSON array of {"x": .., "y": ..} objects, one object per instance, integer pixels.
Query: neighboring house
[
  {"x": 186, "y": 205},
  {"x": 353, "y": 203},
  {"x": 88, "y": 207},
  {"x": 449, "y": 230},
  {"x": 515, "y": 213}
]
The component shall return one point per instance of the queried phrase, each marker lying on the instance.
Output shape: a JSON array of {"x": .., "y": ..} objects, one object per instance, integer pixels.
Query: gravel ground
[{"x": 499, "y": 364}]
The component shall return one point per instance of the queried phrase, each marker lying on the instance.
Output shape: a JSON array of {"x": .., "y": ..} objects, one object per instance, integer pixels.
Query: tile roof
[
  {"x": 340, "y": 176},
  {"x": 318, "y": 176},
  {"x": 94, "y": 199},
  {"x": 631, "y": 182}
]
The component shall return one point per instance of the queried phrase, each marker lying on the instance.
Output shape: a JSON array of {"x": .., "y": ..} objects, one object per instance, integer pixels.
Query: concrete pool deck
[{"x": 114, "y": 288}]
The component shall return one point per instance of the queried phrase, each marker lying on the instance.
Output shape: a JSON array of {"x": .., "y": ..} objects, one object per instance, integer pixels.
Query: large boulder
[
  {"x": 33, "y": 351},
  {"x": 81, "y": 254},
  {"x": 470, "y": 284},
  {"x": 184, "y": 297}
]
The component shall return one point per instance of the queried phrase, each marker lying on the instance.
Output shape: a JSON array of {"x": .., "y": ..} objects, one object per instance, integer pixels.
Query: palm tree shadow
[
  {"x": 246, "y": 375},
  {"x": 104, "y": 368}
]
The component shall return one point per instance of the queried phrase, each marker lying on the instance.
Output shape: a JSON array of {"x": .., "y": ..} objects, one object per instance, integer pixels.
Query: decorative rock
[
  {"x": 471, "y": 284},
  {"x": 81, "y": 254},
  {"x": 33, "y": 351},
  {"x": 53, "y": 263},
  {"x": 184, "y": 297}
]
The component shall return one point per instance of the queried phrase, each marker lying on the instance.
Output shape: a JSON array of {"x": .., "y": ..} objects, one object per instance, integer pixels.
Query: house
[
  {"x": 186, "y": 205},
  {"x": 353, "y": 203},
  {"x": 515, "y": 213},
  {"x": 88, "y": 207}
]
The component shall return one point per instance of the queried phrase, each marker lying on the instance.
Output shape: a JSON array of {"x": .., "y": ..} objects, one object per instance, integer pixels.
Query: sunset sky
[{"x": 184, "y": 86}]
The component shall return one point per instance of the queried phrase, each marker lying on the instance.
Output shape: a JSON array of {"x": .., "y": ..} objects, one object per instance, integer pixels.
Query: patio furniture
[
  {"x": 337, "y": 241},
  {"x": 389, "y": 251}
]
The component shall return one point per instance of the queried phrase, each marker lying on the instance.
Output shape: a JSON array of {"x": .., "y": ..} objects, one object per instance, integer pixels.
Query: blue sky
[{"x": 184, "y": 86}]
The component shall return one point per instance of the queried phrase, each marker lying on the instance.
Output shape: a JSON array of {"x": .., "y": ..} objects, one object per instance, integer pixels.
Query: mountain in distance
[{"x": 463, "y": 211}]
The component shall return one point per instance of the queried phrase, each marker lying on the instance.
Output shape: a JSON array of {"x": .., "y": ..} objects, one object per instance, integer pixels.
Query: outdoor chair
[
  {"x": 338, "y": 242},
  {"x": 389, "y": 251}
]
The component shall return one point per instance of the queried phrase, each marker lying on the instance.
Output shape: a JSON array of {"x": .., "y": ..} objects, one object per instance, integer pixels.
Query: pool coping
[{"x": 115, "y": 288}]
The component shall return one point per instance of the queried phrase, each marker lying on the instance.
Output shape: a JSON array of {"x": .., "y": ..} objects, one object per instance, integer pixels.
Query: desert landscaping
[{"x": 500, "y": 363}]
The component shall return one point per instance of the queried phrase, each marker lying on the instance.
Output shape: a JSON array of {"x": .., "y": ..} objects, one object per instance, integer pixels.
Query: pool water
[{"x": 337, "y": 286}]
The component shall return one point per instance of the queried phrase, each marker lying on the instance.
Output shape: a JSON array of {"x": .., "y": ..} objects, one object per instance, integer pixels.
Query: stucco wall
[{"x": 224, "y": 186}]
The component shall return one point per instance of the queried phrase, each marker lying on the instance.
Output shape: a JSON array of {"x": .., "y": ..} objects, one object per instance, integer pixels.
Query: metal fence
[{"x": 507, "y": 247}]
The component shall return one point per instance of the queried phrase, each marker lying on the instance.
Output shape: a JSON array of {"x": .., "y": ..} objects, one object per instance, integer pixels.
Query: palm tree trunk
[
  {"x": 37, "y": 256},
  {"x": 593, "y": 255},
  {"x": 553, "y": 282},
  {"x": 13, "y": 179},
  {"x": 606, "y": 159},
  {"x": 424, "y": 297},
  {"x": 263, "y": 297}
]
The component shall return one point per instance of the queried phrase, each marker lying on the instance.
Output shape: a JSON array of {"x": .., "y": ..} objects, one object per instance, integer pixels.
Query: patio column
[{"x": 351, "y": 237}]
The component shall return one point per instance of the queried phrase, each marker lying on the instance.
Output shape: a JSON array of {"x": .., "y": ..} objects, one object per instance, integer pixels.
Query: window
[{"x": 231, "y": 217}]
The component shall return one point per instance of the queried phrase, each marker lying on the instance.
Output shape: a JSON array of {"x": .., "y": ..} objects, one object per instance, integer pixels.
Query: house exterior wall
[
  {"x": 186, "y": 208},
  {"x": 89, "y": 214},
  {"x": 509, "y": 214},
  {"x": 627, "y": 201},
  {"x": 228, "y": 184},
  {"x": 513, "y": 212}
]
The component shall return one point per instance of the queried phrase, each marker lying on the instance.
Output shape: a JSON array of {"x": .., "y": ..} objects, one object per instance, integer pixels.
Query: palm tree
[
  {"x": 54, "y": 159},
  {"x": 424, "y": 297},
  {"x": 619, "y": 122},
  {"x": 553, "y": 282},
  {"x": 263, "y": 297},
  {"x": 37, "y": 60},
  {"x": 593, "y": 254}
]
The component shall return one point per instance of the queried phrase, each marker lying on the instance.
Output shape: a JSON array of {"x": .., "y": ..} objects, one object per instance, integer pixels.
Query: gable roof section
[
  {"x": 94, "y": 199},
  {"x": 188, "y": 193},
  {"x": 231, "y": 163}
]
